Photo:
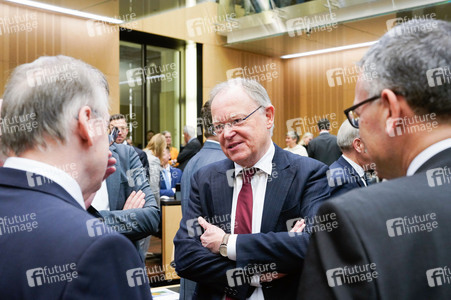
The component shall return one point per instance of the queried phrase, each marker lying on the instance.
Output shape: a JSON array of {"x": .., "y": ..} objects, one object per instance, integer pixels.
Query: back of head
[
  {"x": 157, "y": 145},
  {"x": 190, "y": 130},
  {"x": 324, "y": 124},
  {"x": 47, "y": 95},
  {"x": 346, "y": 136},
  {"x": 413, "y": 59}
]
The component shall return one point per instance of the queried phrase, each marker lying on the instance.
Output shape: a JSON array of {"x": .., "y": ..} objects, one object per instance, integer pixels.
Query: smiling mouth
[{"x": 233, "y": 145}]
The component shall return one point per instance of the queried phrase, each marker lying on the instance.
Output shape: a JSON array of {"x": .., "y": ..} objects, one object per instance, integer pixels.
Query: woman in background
[
  {"x": 291, "y": 140},
  {"x": 155, "y": 151}
]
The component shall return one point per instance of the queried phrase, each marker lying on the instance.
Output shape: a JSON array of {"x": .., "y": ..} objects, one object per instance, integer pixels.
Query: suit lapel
[
  {"x": 276, "y": 190},
  {"x": 223, "y": 186}
]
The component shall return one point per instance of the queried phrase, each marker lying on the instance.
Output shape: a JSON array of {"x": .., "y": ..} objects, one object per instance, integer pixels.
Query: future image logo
[
  {"x": 410, "y": 225},
  {"x": 136, "y": 277}
]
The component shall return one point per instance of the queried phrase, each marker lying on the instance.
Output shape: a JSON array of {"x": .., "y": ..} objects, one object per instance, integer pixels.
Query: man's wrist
[{"x": 223, "y": 246}]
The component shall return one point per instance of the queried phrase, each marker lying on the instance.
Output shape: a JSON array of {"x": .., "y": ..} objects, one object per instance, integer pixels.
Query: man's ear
[
  {"x": 85, "y": 118},
  {"x": 393, "y": 111},
  {"x": 357, "y": 144},
  {"x": 269, "y": 116}
]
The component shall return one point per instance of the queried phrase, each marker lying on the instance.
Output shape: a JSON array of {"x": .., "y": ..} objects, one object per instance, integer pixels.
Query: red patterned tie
[{"x": 243, "y": 216}]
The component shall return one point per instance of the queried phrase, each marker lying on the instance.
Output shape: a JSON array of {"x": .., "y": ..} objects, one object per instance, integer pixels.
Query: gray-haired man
[{"x": 54, "y": 130}]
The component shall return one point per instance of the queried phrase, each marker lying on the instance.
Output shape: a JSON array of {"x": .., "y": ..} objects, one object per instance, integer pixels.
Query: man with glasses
[
  {"x": 393, "y": 238},
  {"x": 247, "y": 203}
]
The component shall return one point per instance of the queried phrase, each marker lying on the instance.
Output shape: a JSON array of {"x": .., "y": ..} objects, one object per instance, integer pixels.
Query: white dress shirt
[
  {"x": 357, "y": 168},
  {"x": 258, "y": 182},
  {"x": 101, "y": 200},
  {"x": 427, "y": 154},
  {"x": 55, "y": 174}
]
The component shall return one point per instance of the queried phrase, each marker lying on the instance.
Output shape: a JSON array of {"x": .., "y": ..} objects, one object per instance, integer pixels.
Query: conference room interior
[{"x": 162, "y": 57}]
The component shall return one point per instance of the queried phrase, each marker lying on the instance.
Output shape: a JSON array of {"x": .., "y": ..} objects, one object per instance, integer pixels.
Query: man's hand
[
  {"x": 299, "y": 226},
  {"x": 110, "y": 169},
  {"x": 212, "y": 236},
  {"x": 135, "y": 200}
]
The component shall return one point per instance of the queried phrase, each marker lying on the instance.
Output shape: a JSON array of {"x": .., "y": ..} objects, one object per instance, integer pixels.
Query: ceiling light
[
  {"x": 328, "y": 50},
  {"x": 67, "y": 11}
]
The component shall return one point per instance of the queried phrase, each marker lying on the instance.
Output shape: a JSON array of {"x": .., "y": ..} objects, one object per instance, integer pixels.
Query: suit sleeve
[
  {"x": 104, "y": 272},
  {"x": 135, "y": 223},
  {"x": 330, "y": 250},
  {"x": 189, "y": 151},
  {"x": 286, "y": 250},
  {"x": 193, "y": 261}
]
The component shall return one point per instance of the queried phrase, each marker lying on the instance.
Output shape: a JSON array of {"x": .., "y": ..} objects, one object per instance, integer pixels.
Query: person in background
[
  {"x": 149, "y": 135},
  {"x": 173, "y": 151},
  {"x": 2, "y": 156},
  {"x": 393, "y": 238},
  {"x": 51, "y": 247},
  {"x": 119, "y": 121},
  {"x": 305, "y": 140},
  {"x": 324, "y": 147},
  {"x": 211, "y": 152},
  {"x": 291, "y": 140},
  {"x": 155, "y": 152},
  {"x": 348, "y": 172},
  {"x": 170, "y": 176},
  {"x": 192, "y": 146}
]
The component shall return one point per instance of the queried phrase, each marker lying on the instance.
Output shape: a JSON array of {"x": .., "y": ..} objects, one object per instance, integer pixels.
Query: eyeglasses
[
  {"x": 219, "y": 128},
  {"x": 353, "y": 116}
]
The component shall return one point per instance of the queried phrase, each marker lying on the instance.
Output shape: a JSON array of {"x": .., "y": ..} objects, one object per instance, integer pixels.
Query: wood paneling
[{"x": 53, "y": 34}]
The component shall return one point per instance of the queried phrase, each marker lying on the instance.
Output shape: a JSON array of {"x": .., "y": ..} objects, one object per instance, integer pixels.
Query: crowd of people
[{"x": 259, "y": 222}]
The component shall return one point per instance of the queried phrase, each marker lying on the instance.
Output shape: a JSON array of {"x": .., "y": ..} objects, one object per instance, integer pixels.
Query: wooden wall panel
[{"x": 56, "y": 34}]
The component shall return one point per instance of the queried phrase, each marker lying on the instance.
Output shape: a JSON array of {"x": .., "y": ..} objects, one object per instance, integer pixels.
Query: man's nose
[{"x": 228, "y": 131}]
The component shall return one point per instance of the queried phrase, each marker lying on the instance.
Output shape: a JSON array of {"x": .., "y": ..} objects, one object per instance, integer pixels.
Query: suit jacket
[
  {"x": 342, "y": 177},
  {"x": 324, "y": 148},
  {"x": 143, "y": 158},
  {"x": 296, "y": 188},
  {"x": 187, "y": 152},
  {"x": 45, "y": 227},
  {"x": 176, "y": 177},
  {"x": 135, "y": 223},
  {"x": 377, "y": 226}
]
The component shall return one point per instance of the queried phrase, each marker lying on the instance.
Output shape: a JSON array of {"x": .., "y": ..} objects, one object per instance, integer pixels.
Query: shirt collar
[
  {"x": 212, "y": 141},
  {"x": 426, "y": 154},
  {"x": 264, "y": 164},
  {"x": 55, "y": 174},
  {"x": 356, "y": 167}
]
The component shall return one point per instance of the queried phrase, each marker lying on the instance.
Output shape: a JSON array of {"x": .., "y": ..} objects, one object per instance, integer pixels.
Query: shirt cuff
[{"x": 231, "y": 247}]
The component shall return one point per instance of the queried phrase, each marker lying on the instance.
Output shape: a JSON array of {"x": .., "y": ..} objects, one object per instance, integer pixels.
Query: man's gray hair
[
  {"x": 252, "y": 88},
  {"x": 190, "y": 130},
  {"x": 346, "y": 135},
  {"x": 403, "y": 59},
  {"x": 49, "y": 92}
]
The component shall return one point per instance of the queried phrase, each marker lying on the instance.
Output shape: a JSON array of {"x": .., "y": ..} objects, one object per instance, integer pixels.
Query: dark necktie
[{"x": 243, "y": 216}]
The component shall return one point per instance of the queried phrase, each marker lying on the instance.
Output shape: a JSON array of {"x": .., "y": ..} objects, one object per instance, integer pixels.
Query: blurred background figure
[
  {"x": 170, "y": 176},
  {"x": 155, "y": 153},
  {"x": 292, "y": 139},
  {"x": 173, "y": 152},
  {"x": 324, "y": 147},
  {"x": 149, "y": 135},
  {"x": 305, "y": 139},
  {"x": 2, "y": 156},
  {"x": 192, "y": 146}
]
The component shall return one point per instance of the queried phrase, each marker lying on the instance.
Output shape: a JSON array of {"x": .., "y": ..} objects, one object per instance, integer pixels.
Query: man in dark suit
[
  {"x": 117, "y": 199},
  {"x": 211, "y": 152},
  {"x": 51, "y": 247},
  {"x": 324, "y": 147},
  {"x": 348, "y": 172},
  {"x": 192, "y": 146},
  {"x": 392, "y": 239},
  {"x": 259, "y": 189},
  {"x": 169, "y": 176},
  {"x": 119, "y": 121}
]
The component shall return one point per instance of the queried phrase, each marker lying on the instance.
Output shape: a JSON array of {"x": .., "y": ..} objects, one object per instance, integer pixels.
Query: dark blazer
[
  {"x": 296, "y": 188},
  {"x": 342, "y": 177},
  {"x": 143, "y": 158},
  {"x": 408, "y": 257},
  {"x": 129, "y": 176},
  {"x": 324, "y": 148},
  {"x": 211, "y": 152},
  {"x": 187, "y": 152},
  {"x": 65, "y": 235},
  {"x": 176, "y": 177}
]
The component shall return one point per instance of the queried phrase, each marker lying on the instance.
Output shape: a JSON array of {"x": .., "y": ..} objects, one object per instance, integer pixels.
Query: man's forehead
[{"x": 118, "y": 121}]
